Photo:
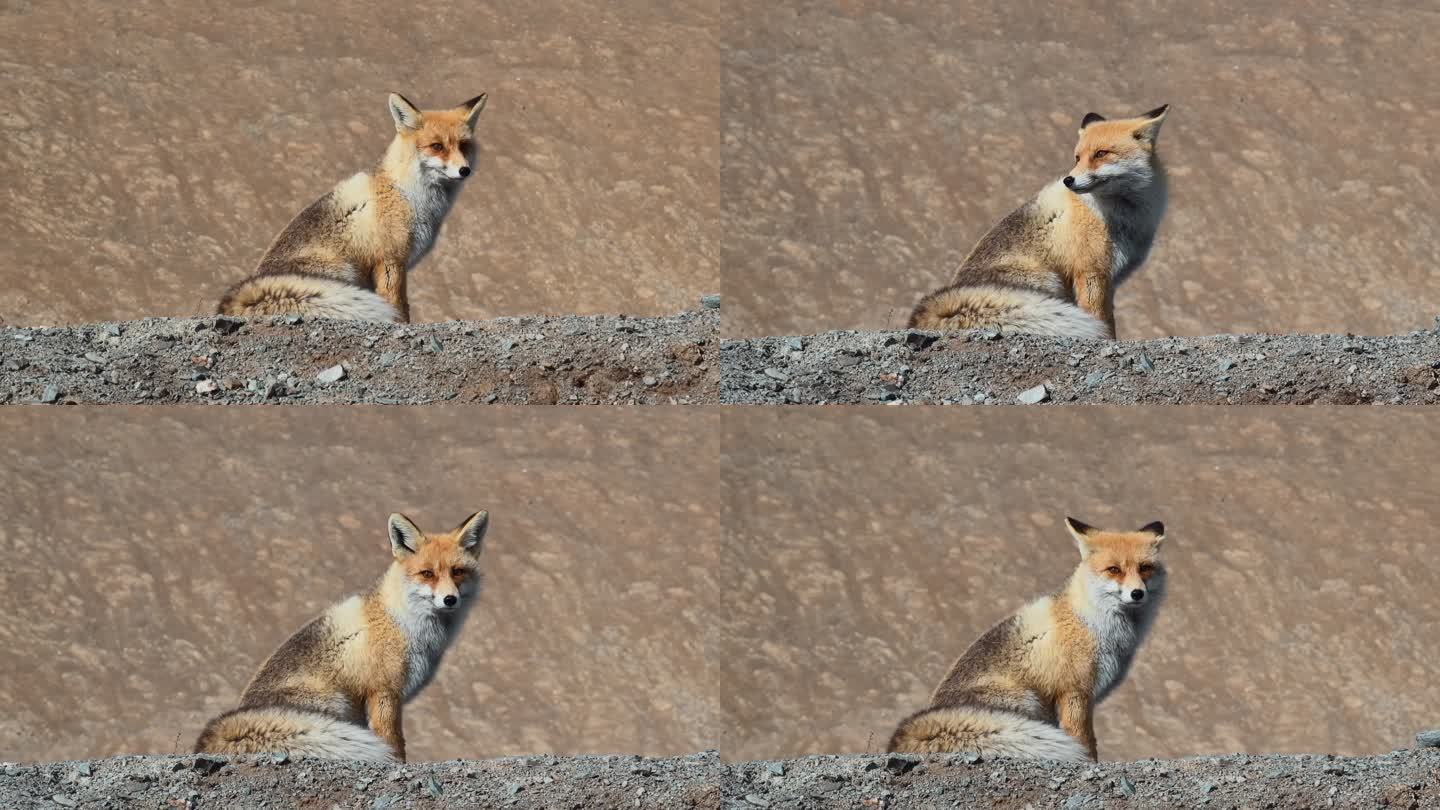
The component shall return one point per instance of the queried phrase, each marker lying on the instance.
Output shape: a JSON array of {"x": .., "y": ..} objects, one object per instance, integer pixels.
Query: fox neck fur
[
  {"x": 1130, "y": 215},
  {"x": 1117, "y": 630},
  {"x": 429, "y": 195},
  {"x": 427, "y": 631}
]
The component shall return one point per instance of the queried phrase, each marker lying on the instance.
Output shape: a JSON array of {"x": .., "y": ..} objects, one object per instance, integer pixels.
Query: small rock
[
  {"x": 50, "y": 395},
  {"x": 514, "y": 788},
  {"x": 776, "y": 374},
  {"x": 650, "y": 382},
  {"x": 110, "y": 330},
  {"x": 1077, "y": 801},
  {"x": 775, "y": 769},
  {"x": 918, "y": 341},
  {"x": 83, "y": 769},
  {"x": 95, "y": 358},
  {"x": 64, "y": 801},
  {"x": 1125, "y": 786},
  {"x": 991, "y": 334},
  {"x": 293, "y": 319},
  {"x": 757, "y": 801},
  {"x": 228, "y": 326},
  {"x": 899, "y": 764},
  {"x": 206, "y": 387},
  {"x": 712, "y": 301},
  {"x": 1208, "y": 787},
  {"x": 330, "y": 375},
  {"x": 972, "y": 757},
  {"x": 1094, "y": 378},
  {"x": 434, "y": 345},
  {"x": 207, "y": 765},
  {"x": 1334, "y": 769},
  {"x": 1226, "y": 364},
  {"x": 1033, "y": 396},
  {"x": 388, "y": 359},
  {"x": 1428, "y": 739},
  {"x": 491, "y": 397},
  {"x": 1144, "y": 363},
  {"x": 432, "y": 787},
  {"x": 383, "y": 802},
  {"x": 280, "y": 757}
]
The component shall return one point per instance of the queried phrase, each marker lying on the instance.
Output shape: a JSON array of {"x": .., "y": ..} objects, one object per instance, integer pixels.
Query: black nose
[
  {"x": 1135, "y": 595},
  {"x": 1069, "y": 181},
  {"x": 451, "y": 600},
  {"x": 464, "y": 171}
]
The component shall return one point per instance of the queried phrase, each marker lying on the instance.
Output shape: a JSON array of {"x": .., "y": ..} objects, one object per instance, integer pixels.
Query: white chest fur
[
  {"x": 427, "y": 636},
  {"x": 429, "y": 202}
]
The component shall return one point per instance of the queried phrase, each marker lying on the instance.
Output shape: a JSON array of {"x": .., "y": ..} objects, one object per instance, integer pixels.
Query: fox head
[
  {"x": 440, "y": 571},
  {"x": 1115, "y": 157},
  {"x": 1121, "y": 569},
  {"x": 441, "y": 141}
]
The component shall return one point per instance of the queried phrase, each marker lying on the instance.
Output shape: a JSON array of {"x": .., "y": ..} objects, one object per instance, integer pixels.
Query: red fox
[
  {"x": 347, "y": 255},
  {"x": 1029, "y": 686},
  {"x": 1051, "y": 266},
  {"x": 335, "y": 689}
]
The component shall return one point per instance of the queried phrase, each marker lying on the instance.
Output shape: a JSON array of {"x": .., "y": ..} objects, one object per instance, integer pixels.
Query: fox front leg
[
  {"x": 383, "y": 710},
  {"x": 1092, "y": 294},
  {"x": 1077, "y": 719},
  {"x": 390, "y": 285}
]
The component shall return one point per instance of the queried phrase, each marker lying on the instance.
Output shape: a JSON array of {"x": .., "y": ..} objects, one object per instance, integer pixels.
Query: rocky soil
[
  {"x": 1401, "y": 779},
  {"x": 291, "y": 360},
  {"x": 988, "y": 367}
]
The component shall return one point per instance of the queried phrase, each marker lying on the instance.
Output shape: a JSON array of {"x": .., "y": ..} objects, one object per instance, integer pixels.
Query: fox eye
[
  {"x": 437, "y": 146},
  {"x": 427, "y": 574},
  {"x": 1100, "y": 153},
  {"x": 457, "y": 572},
  {"x": 1146, "y": 568},
  {"x": 1114, "y": 569}
]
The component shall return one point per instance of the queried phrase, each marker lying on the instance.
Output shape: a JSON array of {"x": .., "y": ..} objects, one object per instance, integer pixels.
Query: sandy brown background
[
  {"x": 151, "y": 150},
  {"x": 154, "y": 557},
  {"x": 869, "y": 145},
  {"x": 870, "y": 548}
]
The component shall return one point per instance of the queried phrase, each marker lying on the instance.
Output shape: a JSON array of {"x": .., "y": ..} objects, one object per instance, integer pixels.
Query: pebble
[
  {"x": 330, "y": 375},
  {"x": 514, "y": 788},
  {"x": 206, "y": 387},
  {"x": 1077, "y": 801},
  {"x": 776, "y": 374},
  {"x": 1226, "y": 364},
  {"x": 775, "y": 769},
  {"x": 1126, "y": 787},
  {"x": 1144, "y": 363},
  {"x": 64, "y": 801},
  {"x": 711, "y": 301},
  {"x": 432, "y": 787},
  {"x": 1431, "y": 738},
  {"x": 1033, "y": 396},
  {"x": 50, "y": 395},
  {"x": 650, "y": 382},
  {"x": 434, "y": 345}
]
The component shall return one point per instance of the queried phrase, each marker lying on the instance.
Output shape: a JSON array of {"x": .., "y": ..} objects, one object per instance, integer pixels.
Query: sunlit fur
[
  {"x": 336, "y": 688},
  {"x": 1050, "y": 267},
  {"x": 1029, "y": 685},
  {"x": 349, "y": 253}
]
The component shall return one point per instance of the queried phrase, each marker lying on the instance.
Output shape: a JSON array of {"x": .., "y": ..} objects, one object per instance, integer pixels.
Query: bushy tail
[
  {"x": 966, "y": 728},
  {"x": 318, "y": 296},
  {"x": 963, "y": 306},
  {"x": 298, "y": 732}
]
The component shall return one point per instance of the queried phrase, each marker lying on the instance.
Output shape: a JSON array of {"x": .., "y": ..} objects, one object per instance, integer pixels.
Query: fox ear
[
  {"x": 1089, "y": 119},
  {"x": 1158, "y": 529},
  {"x": 406, "y": 115},
  {"x": 1152, "y": 121},
  {"x": 474, "y": 106},
  {"x": 404, "y": 536},
  {"x": 472, "y": 531},
  {"x": 1081, "y": 532}
]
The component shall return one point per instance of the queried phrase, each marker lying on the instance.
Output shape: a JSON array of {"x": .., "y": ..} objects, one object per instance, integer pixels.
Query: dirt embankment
[
  {"x": 544, "y": 360},
  {"x": 1402, "y": 779},
  {"x": 991, "y": 368}
]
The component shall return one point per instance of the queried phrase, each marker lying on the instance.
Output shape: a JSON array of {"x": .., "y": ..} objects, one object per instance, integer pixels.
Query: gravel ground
[
  {"x": 987, "y": 367},
  {"x": 1402, "y": 779},
  {"x": 565, "y": 360}
]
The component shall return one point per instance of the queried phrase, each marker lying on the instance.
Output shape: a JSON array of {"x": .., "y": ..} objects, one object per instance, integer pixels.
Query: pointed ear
[
  {"x": 472, "y": 531},
  {"x": 1081, "y": 532},
  {"x": 1150, "y": 128},
  {"x": 1089, "y": 119},
  {"x": 404, "y": 536},
  {"x": 473, "y": 107},
  {"x": 406, "y": 115},
  {"x": 1157, "y": 529}
]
